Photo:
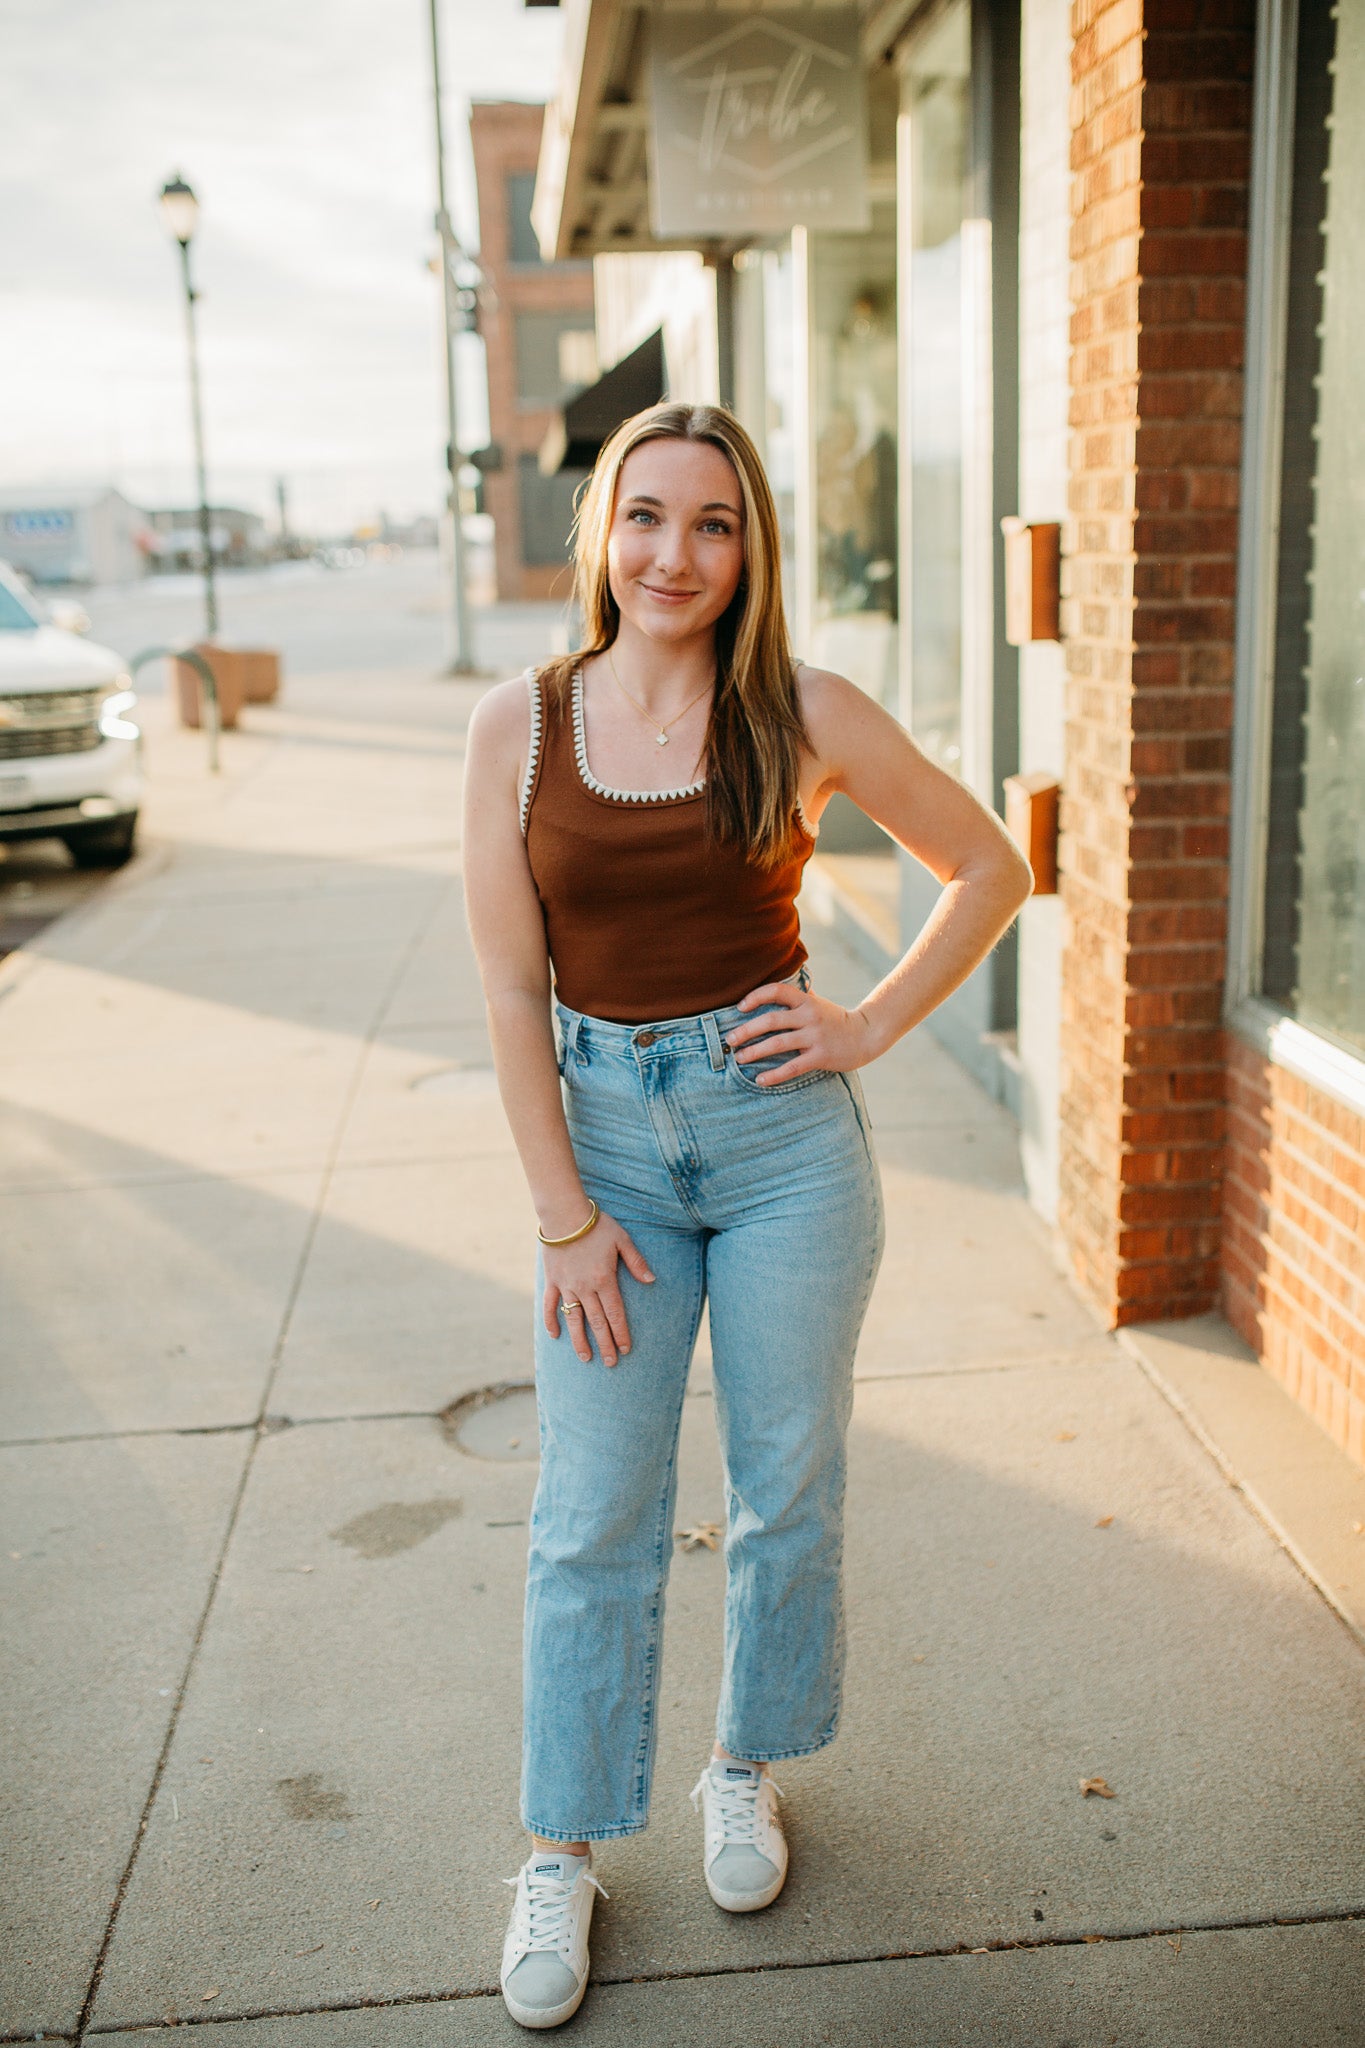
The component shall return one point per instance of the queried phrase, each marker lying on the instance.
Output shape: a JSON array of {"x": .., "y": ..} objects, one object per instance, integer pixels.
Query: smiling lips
[{"x": 668, "y": 596}]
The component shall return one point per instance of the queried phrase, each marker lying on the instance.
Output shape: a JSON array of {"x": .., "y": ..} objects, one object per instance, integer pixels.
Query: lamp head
[{"x": 179, "y": 209}]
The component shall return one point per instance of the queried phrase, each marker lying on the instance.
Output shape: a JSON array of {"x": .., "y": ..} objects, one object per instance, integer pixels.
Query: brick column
[{"x": 1161, "y": 105}]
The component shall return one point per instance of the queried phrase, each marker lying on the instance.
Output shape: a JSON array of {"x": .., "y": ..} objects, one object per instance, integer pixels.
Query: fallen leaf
[
  {"x": 1092, "y": 1937},
  {"x": 1099, "y": 1787},
  {"x": 309, "y": 1951},
  {"x": 701, "y": 1536},
  {"x": 1174, "y": 1944},
  {"x": 1105, "y": 1522},
  {"x": 1065, "y": 1436},
  {"x": 210, "y": 1994},
  {"x": 374, "y": 1903}
]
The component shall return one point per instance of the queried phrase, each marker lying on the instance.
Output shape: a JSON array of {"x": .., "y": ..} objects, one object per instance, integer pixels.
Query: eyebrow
[{"x": 712, "y": 505}]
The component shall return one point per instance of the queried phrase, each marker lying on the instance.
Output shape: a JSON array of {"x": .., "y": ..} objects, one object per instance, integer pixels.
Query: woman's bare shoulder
[
  {"x": 501, "y": 719},
  {"x": 834, "y": 708}
]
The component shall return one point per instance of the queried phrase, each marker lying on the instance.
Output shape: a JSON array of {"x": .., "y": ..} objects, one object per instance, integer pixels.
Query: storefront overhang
[
  {"x": 637, "y": 381},
  {"x": 592, "y": 185}
]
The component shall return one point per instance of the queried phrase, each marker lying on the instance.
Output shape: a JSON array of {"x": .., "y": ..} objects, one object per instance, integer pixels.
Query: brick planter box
[{"x": 244, "y": 675}]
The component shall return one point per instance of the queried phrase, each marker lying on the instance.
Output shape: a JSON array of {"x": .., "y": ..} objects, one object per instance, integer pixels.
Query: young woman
[{"x": 638, "y": 818}]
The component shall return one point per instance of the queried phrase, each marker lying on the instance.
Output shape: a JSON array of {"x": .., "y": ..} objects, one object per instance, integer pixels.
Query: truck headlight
[{"x": 113, "y": 722}]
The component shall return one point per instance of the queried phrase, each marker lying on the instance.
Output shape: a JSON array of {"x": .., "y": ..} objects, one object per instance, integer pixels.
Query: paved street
[{"x": 263, "y": 1233}]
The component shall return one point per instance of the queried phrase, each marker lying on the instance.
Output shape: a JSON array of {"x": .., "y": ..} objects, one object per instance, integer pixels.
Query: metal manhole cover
[
  {"x": 460, "y": 1079},
  {"x": 495, "y": 1422}
]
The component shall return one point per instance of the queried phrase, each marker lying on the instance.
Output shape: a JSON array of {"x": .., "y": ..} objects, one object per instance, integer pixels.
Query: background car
[{"x": 70, "y": 749}]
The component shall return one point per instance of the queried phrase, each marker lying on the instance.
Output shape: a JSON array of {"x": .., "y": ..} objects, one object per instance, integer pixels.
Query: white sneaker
[
  {"x": 545, "y": 1955},
  {"x": 745, "y": 1858}
]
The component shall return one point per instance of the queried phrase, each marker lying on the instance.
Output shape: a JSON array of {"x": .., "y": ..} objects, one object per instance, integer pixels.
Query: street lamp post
[
  {"x": 463, "y": 661},
  {"x": 180, "y": 211}
]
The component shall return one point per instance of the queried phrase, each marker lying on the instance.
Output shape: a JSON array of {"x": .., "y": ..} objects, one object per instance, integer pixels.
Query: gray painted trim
[{"x": 1258, "y": 537}]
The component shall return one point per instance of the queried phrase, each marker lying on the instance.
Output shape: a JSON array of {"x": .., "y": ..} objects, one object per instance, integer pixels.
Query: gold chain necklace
[{"x": 660, "y": 731}]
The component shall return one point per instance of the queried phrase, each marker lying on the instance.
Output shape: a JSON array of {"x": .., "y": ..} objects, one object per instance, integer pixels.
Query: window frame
[{"x": 1314, "y": 1055}]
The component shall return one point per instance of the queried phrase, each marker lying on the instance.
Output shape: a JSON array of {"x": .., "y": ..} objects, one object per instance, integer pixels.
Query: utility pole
[{"x": 462, "y": 662}]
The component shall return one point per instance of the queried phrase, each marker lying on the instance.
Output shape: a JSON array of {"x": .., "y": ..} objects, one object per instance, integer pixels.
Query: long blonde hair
[{"x": 756, "y": 729}]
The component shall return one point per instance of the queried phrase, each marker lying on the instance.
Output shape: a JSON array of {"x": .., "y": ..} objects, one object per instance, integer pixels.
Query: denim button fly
[{"x": 646, "y": 1037}]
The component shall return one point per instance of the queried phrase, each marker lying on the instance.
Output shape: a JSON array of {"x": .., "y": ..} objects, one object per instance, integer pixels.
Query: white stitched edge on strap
[
  {"x": 533, "y": 752},
  {"x": 622, "y": 796}
]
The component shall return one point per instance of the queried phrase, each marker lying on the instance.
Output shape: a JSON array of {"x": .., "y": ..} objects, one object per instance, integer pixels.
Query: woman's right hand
[{"x": 584, "y": 1275}]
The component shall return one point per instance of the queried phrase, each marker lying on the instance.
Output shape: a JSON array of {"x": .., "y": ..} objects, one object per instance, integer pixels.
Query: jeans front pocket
[{"x": 747, "y": 1075}]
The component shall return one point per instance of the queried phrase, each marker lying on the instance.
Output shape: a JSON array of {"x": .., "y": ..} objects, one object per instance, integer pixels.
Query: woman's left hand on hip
[{"x": 819, "y": 1035}]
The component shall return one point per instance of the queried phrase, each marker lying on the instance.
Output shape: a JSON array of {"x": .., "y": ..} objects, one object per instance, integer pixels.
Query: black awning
[{"x": 575, "y": 440}]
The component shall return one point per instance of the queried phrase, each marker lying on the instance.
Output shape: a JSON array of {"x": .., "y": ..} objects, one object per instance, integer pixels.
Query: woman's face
[{"x": 675, "y": 552}]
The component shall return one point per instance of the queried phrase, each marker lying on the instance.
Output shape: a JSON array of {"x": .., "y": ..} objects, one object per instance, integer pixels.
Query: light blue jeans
[{"x": 767, "y": 1202}]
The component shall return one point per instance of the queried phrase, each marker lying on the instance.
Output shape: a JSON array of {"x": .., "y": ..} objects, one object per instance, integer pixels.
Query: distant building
[
  {"x": 59, "y": 533},
  {"x": 239, "y": 538},
  {"x": 539, "y": 330}
]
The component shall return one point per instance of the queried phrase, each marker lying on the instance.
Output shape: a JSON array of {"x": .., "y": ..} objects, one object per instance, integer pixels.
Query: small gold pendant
[{"x": 661, "y": 739}]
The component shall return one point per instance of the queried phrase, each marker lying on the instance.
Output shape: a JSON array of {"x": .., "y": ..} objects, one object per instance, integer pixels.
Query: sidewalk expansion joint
[
  {"x": 260, "y": 1427},
  {"x": 269, "y": 1424},
  {"x": 1250, "y": 1925}
]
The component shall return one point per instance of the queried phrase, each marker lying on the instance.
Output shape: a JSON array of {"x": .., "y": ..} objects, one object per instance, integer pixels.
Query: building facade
[
  {"x": 539, "y": 332},
  {"x": 64, "y": 534},
  {"x": 1104, "y": 288}
]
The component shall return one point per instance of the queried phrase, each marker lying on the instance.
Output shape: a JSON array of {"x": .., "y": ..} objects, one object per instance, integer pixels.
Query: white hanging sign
[{"x": 758, "y": 122}]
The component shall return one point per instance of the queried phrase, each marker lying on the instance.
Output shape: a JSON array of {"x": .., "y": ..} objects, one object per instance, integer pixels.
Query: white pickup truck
[{"x": 70, "y": 749}]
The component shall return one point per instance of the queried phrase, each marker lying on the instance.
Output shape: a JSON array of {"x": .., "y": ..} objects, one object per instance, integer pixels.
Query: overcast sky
[{"x": 304, "y": 127}]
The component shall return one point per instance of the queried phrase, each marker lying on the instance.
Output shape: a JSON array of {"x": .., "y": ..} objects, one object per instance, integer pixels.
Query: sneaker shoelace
[
  {"x": 548, "y": 1904},
  {"x": 736, "y": 1805}
]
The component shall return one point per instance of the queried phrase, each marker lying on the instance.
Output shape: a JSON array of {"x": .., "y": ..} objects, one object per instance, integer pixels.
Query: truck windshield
[{"x": 15, "y": 616}]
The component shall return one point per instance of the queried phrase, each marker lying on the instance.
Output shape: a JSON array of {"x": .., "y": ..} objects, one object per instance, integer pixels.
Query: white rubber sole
[
  {"x": 540, "y": 2016},
  {"x": 746, "y": 1902}
]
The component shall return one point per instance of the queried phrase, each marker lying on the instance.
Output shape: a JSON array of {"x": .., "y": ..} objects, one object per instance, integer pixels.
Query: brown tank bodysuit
[{"x": 645, "y": 918}]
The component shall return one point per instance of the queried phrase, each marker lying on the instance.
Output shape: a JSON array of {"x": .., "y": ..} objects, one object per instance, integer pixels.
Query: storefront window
[
  {"x": 853, "y": 371},
  {"x": 934, "y": 169},
  {"x": 1314, "y": 950}
]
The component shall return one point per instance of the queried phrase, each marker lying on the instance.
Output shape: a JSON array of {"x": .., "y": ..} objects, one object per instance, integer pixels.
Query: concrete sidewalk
[{"x": 263, "y": 1229}]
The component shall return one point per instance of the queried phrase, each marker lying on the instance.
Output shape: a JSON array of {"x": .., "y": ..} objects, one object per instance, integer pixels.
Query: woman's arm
[
  {"x": 508, "y": 931},
  {"x": 865, "y": 754}
]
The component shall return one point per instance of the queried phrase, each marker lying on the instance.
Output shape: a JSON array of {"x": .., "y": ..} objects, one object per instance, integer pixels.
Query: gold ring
[{"x": 570, "y": 1304}]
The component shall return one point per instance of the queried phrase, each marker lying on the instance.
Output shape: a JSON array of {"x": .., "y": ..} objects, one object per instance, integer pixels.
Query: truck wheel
[{"x": 102, "y": 846}]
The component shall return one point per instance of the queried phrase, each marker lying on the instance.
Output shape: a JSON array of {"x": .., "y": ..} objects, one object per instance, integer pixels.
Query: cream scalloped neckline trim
[{"x": 620, "y": 796}]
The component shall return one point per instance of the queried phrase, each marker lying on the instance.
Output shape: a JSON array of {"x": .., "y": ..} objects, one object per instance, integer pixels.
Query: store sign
[
  {"x": 759, "y": 125},
  {"x": 39, "y": 525}
]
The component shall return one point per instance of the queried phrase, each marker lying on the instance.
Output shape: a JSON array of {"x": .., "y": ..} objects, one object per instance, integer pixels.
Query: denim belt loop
[
  {"x": 713, "y": 1044},
  {"x": 571, "y": 1048}
]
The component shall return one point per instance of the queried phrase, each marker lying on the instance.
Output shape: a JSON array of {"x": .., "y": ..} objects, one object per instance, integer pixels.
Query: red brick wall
[
  {"x": 1160, "y": 143},
  {"x": 505, "y": 138},
  {"x": 1294, "y": 1238}
]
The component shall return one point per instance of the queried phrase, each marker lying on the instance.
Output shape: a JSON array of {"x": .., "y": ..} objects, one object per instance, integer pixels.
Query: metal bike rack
[{"x": 208, "y": 689}]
